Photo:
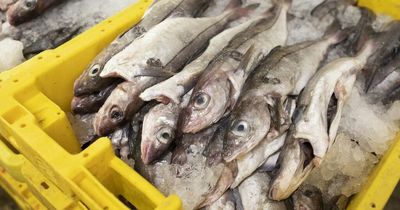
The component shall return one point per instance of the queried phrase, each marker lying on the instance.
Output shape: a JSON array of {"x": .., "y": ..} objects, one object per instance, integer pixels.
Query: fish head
[
  {"x": 249, "y": 124},
  {"x": 120, "y": 106},
  {"x": 22, "y": 10},
  {"x": 159, "y": 127},
  {"x": 90, "y": 103},
  {"x": 90, "y": 82},
  {"x": 307, "y": 197},
  {"x": 294, "y": 165},
  {"x": 206, "y": 106}
]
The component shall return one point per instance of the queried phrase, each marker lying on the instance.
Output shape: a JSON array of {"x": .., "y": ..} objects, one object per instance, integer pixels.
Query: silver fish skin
[
  {"x": 307, "y": 197},
  {"x": 218, "y": 88},
  {"x": 165, "y": 47},
  {"x": 259, "y": 111},
  {"x": 90, "y": 80},
  {"x": 225, "y": 202},
  {"x": 175, "y": 87},
  {"x": 192, "y": 35},
  {"x": 311, "y": 134},
  {"x": 159, "y": 129},
  {"x": 254, "y": 193}
]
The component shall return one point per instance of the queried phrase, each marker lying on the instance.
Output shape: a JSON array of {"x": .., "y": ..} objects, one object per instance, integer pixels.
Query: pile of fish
[{"x": 226, "y": 110}]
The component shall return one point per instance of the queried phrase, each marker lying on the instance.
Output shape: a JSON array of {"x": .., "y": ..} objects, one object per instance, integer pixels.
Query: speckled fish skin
[
  {"x": 311, "y": 134},
  {"x": 225, "y": 202},
  {"x": 201, "y": 30},
  {"x": 160, "y": 129},
  {"x": 284, "y": 72},
  {"x": 172, "y": 89},
  {"x": 91, "y": 103},
  {"x": 165, "y": 46},
  {"x": 253, "y": 193},
  {"x": 24, "y": 10},
  {"x": 90, "y": 80},
  {"x": 219, "y": 86},
  {"x": 307, "y": 197}
]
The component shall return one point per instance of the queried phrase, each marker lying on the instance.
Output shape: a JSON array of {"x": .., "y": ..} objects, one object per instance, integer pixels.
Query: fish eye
[
  {"x": 116, "y": 115},
  {"x": 95, "y": 70},
  {"x": 240, "y": 128},
  {"x": 201, "y": 101},
  {"x": 30, "y": 4},
  {"x": 308, "y": 193},
  {"x": 164, "y": 136}
]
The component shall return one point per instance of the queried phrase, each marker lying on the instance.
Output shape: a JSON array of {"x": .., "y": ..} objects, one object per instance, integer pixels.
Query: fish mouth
[
  {"x": 77, "y": 106},
  {"x": 149, "y": 153}
]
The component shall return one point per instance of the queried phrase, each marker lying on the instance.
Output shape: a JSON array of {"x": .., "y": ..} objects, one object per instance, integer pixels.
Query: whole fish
[
  {"x": 90, "y": 80},
  {"x": 182, "y": 43},
  {"x": 218, "y": 88},
  {"x": 307, "y": 197},
  {"x": 312, "y": 133},
  {"x": 91, "y": 103},
  {"x": 175, "y": 87},
  {"x": 24, "y": 10},
  {"x": 259, "y": 113},
  {"x": 254, "y": 193},
  {"x": 159, "y": 129},
  {"x": 225, "y": 202}
]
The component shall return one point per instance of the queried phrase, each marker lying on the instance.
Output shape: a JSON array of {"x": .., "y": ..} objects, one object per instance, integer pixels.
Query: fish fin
[
  {"x": 246, "y": 61},
  {"x": 154, "y": 73}
]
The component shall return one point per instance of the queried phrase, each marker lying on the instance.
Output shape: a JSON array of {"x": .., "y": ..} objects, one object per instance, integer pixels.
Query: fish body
[
  {"x": 90, "y": 80},
  {"x": 175, "y": 87},
  {"x": 307, "y": 197},
  {"x": 165, "y": 47},
  {"x": 259, "y": 111},
  {"x": 311, "y": 133},
  {"x": 253, "y": 193},
  {"x": 24, "y": 10},
  {"x": 218, "y": 88},
  {"x": 176, "y": 44}
]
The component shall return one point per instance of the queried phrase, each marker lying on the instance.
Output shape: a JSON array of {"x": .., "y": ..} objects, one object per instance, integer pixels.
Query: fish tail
[
  {"x": 369, "y": 47},
  {"x": 336, "y": 34}
]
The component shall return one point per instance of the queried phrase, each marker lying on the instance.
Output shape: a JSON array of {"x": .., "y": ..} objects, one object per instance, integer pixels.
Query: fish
[
  {"x": 24, "y": 10},
  {"x": 253, "y": 193},
  {"x": 91, "y": 103},
  {"x": 307, "y": 197},
  {"x": 120, "y": 142},
  {"x": 394, "y": 95},
  {"x": 312, "y": 133},
  {"x": 202, "y": 29},
  {"x": 260, "y": 110},
  {"x": 5, "y": 4},
  {"x": 389, "y": 47},
  {"x": 179, "y": 45},
  {"x": 225, "y": 202},
  {"x": 90, "y": 80},
  {"x": 184, "y": 171},
  {"x": 160, "y": 129},
  {"x": 172, "y": 89},
  {"x": 218, "y": 88}
]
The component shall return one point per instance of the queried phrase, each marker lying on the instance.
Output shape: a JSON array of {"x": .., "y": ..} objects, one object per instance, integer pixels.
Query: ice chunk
[{"x": 10, "y": 54}]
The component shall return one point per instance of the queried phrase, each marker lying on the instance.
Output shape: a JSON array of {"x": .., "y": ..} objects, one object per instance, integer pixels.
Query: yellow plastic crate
[
  {"x": 388, "y": 7},
  {"x": 41, "y": 164}
]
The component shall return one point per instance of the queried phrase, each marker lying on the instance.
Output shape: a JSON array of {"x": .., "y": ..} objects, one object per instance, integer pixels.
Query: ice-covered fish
[
  {"x": 260, "y": 111},
  {"x": 90, "y": 80},
  {"x": 307, "y": 197},
  {"x": 24, "y": 10},
  {"x": 312, "y": 132},
  {"x": 91, "y": 103},
  {"x": 218, "y": 88},
  {"x": 159, "y": 129},
  {"x": 187, "y": 175},
  {"x": 177, "y": 43},
  {"x": 175, "y": 87},
  {"x": 254, "y": 193}
]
